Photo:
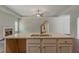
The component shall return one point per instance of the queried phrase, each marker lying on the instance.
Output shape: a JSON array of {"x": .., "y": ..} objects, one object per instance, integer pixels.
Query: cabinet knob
[
  {"x": 38, "y": 47},
  {"x": 65, "y": 41},
  {"x": 44, "y": 47},
  {"x": 60, "y": 47}
]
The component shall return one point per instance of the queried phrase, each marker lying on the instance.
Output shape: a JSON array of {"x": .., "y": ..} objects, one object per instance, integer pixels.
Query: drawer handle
[
  {"x": 43, "y": 47},
  {"x": 65, "y": 41},
  {"x": 60, "y": 47},
  {"x": 38, "y": 47}
]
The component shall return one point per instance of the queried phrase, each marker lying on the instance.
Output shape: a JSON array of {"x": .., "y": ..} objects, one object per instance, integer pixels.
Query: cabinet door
[
  {"x": 65, "y": 45},
  {"x": 11, "y": 46},
  {"x": 34, "y": 46},
  {"x": 49, "y": 46},
  {"x": 15, "y": 45},
  {"x": 65, "y": 41},
  {"x": 22, "y": 45},
  {"x": 65, "y": 49},
  {"x": 33, "y": 49},
  {"x": 49, "y": 49}
]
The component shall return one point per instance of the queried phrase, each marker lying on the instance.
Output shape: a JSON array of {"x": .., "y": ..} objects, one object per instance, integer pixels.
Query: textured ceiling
[{"x": 50, "y": 10}]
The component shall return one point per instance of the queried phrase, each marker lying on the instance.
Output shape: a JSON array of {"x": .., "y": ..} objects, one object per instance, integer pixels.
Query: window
[{"x": 16, "y": 26}]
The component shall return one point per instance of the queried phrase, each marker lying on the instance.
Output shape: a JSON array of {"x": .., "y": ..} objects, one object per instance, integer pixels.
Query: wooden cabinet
[
  {"x": 33, "y": 45},
  {"x": 49, "y": 49},
  {"x": 11, "y": 46},
  {"x": 65, "y": 45},
  {"x": 22, "y": 46},
  {"x": 49, "y": 41},
  {"x": 33, "y": 41},
  {"x": 34, "y": 49},
  {"x": 65, "y": 41},
  {"x": 65, "y": 49},
  {"x": 50, "y": 45},
  {"x": 15, "y": 45},
  {"x": 42, "y": 45}
]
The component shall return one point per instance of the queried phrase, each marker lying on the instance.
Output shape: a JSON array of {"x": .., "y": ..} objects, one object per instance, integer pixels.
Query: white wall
[
  {"x": 6, "y": 20},
  {"x": 59, "y": 24},
  {"x": 78, "y": 28},
  {"x": 73, "y": 25},
  {"x": 29, "y": 24}
]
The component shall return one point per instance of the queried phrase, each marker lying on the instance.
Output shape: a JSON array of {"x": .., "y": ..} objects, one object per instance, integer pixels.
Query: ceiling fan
[{"x": 39, "y": 13}]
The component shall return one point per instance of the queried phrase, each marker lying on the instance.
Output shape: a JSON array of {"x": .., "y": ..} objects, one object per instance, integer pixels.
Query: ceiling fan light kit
[{"x": 39, "y": 13}]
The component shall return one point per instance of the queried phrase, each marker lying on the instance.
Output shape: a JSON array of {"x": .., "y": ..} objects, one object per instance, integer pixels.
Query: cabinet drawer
[
  {"x": 49, "y": 49},
  {"x": 33, "y": 40},
  {"x": 66, "y": 45},
  {"x": 66, "y": 41},
  {"x": 49, "y": 44},
  {"x": 33, "y": 44},
  {"x": 65, "y": 49},
  {"x": 49, "y": 41},
  {"x": 34, "y": 49}
]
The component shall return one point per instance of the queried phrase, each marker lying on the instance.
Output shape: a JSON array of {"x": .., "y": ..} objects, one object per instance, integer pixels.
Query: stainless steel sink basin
[{"x": 39, "y": 35}]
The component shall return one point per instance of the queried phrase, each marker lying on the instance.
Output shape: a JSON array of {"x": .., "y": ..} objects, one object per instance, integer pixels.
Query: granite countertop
[{"x": 38, "y": 35}]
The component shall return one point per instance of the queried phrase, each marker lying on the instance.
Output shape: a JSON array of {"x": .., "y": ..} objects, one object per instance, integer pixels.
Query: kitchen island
[{"x": 39, "y": 43}]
